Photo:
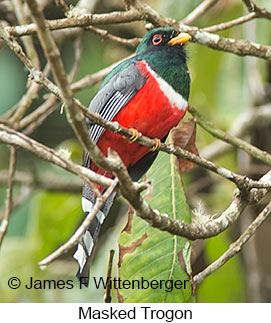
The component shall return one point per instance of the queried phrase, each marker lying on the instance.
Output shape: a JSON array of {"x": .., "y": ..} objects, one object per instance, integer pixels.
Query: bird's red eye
[{"x": 157, "y": 39}]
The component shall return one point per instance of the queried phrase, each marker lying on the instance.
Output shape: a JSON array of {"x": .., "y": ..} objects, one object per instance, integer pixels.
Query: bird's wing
[{"x": 112, "y": 97}]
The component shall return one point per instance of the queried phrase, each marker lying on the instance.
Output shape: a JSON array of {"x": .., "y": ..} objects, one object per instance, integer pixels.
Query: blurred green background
[{"x": 220, "y": 89}]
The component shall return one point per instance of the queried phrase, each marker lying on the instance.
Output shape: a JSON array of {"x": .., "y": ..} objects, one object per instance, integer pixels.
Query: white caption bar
[{"x": 151, "y": 313}]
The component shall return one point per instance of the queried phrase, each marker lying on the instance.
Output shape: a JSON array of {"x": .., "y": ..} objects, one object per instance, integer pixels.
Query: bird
[{"x": 147, "y": 93}]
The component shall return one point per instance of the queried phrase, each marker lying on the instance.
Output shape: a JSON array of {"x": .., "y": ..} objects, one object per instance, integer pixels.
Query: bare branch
[
  {"x": 104, "y": 34},
  {"x": 260, "y": 12},
  {"x": 237, "y": 142},
  {"x": 75, "y": 116},
  {"x": 8, "y": 209},
  {"x": 20, "y": 108},
  {"x": 142, "y": 11},
  {"x": 235, "y": 247},
  {"x": 77, "y": 45},
  {"x": 17, "y": 139},
  {"x": 242, "y": 125},
  {"x": 26, "y": 101},
  {"x": 235, "y": 46},
  {"x": 131, "y": 191},
  {"x": 107, "y": 294},
  {"x": 36, "y": 118},
  {"x": 49, "y": 182},
  {"x": 239, "y": 47},
  {"x": 28, "y": 42},
  {"x": 18, "y": 200},
  {"x": 231, "y": 23},
  {"x": 199, "y": 11},
  {"x": 78, "y": 21},
  {"x": 190, "y": 231}
]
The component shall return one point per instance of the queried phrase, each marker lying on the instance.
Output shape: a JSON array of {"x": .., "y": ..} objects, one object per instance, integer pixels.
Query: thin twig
[
  {"x": 107, "y": 294},
  {"x": 191, "y": 231},
  {"x": 26, "y": 101},
  {"x": 144, "y": 12},
  {"x": 74, "y": 239},
  {"x": 235, "y": 247},
  {"x": 82, "y": 20},
  {"x": 77, "y": 45},
  {"x": 242, "y": 125},
  {"x": 49, "y": 181},
  {"x": 62, "y": 5},
  {"x": 260, "y": 12},
  {"x": 36, "y": 118},
  {"x": 28, "y": 41},
  {"x": 19, "y": 199},
  {"x": 15, "y": 138},
  {"x": 131, "y": 190},
  {"x": 8, "y": 209},
  {"x": 104, "y": 34},
  {"x": 231, "y": 23},
  {"x": 199, "y": 11},
  {"x": 42, "y": 113},
  {"x": 237, "y": 142},
  {"x": 75, "y": 116}
]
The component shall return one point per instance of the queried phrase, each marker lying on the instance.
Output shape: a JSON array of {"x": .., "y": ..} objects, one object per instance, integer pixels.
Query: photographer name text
[{"x": 100, "y": 282}]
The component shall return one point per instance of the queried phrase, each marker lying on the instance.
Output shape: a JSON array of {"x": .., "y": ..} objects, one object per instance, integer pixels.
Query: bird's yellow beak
[{"x": 182, "y": 38}]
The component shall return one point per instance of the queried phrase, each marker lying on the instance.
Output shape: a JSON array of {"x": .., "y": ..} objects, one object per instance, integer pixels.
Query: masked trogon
[{"x": 148, "y": 93}]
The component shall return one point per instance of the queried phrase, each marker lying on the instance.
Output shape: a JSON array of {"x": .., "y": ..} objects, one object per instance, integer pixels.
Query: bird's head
[{"x": 163, "y": 39}]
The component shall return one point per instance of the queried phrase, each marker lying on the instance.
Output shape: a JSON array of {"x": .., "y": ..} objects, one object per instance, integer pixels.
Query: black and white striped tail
[{"x": 84, "y": 252}]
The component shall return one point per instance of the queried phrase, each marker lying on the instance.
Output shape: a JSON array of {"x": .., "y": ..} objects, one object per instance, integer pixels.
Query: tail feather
[{"x": 85, "y": 249}]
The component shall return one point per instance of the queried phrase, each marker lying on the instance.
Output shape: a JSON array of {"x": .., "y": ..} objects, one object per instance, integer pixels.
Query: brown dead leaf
[
  {"x": 128, "y": 228},
  {"x": 130, "y": 249},
  {"x": 185, "y": 137},
  {"x": 125, "y": 250}
]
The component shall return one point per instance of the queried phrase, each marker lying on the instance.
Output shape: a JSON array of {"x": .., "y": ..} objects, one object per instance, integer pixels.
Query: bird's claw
[
  {"x": 134, "y": 135},
  {"x": 157, "y": 145}
]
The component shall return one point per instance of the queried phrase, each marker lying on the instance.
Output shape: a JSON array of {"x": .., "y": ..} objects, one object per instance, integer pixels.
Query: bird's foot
[
  {"x": 134, "y": 135},
  {"x": 157, "y": 144}
]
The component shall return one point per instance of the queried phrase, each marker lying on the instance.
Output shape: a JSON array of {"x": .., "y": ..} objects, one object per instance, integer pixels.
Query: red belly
[{"x": 150, "y": 112}]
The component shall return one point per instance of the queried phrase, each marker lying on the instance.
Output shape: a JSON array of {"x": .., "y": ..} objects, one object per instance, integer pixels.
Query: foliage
[{"x": 146, "y": 252}]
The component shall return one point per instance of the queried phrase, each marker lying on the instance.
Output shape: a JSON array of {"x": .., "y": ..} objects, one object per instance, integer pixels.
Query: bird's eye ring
[{"x": 157, "y": 39}]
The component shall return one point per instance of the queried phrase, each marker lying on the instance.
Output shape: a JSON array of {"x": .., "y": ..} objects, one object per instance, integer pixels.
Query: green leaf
[{"x": 151, "y": 253}]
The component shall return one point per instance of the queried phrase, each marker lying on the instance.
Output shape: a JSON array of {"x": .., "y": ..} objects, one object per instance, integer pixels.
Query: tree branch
[
  {"x": 131, "y": 190},
  {"x": 237, "y": 142},
  {"x": 231, "y": 23},
  {"x": 17, "y": 139},
  {"x": 242, "y": 125},
  {"x": 8, "y": 209},
  {"x": 199, "y": 11},
  {"x": 48, "y": 182},
  {"x": 235, "y": 247},
  {"x": 260, "y": 12},
  {"x": 78, "y": 20},
  {"x": 75, "y": 116},
  {"x": 142, "y": 11},
  {"x": 104, "y": 34},
  {"x": 192, "y": 231}
]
